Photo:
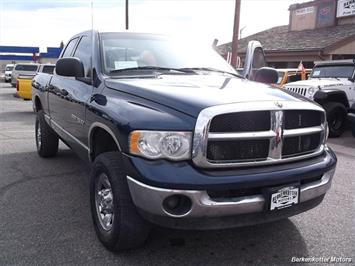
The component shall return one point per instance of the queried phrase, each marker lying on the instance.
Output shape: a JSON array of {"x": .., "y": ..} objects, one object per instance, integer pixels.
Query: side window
[
  {"x": 258, "y": 59},
  {"x": 69, "y": 48},
  {"x": 83, "y": 52}
]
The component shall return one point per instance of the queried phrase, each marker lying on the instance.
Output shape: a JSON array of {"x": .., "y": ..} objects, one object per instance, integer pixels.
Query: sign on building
[
  {"x": 304, "y": 11},
  {"x": 325, "y": 14},
  {"x": 345, "y": 8}
]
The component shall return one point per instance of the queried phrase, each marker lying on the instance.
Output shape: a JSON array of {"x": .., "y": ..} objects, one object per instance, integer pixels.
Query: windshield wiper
[
  {"x": 165, "y": 69},
  {"x": 211, "y": 69}
]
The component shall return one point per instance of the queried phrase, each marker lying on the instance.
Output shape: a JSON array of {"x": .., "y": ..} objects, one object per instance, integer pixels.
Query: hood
[
  {"x": 324, "y": 83},
  {"x": 192, "y": 93}
]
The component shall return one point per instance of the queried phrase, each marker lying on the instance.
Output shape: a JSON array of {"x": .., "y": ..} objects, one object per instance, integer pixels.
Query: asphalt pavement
[{"x": 45, "y": 216}]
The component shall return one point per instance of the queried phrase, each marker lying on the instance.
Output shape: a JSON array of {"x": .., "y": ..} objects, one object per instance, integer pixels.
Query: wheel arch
[
  {"x": 324, "y": 96},
  {"x": 96, "y": 130},
  {"x": 37, "y": 104}
]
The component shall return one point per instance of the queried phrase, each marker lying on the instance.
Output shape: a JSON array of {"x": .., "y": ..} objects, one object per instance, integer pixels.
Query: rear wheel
[
  {"x": 117, "y": 222},
  {"x": 336, "y": 117},
  {"x": 46, "y": 139}
]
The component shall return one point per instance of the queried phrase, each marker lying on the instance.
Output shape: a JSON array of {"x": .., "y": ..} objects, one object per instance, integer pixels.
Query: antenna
[{"x": 92, "y": 43}]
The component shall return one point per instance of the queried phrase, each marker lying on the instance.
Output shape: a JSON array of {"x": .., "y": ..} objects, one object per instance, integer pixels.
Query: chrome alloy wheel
[
  {"x": 38, "y": 136},
  {"x": 104, "y": 202}
]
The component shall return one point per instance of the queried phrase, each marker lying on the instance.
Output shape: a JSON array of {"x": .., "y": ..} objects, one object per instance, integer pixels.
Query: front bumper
[{"x": 149, "y": 200}]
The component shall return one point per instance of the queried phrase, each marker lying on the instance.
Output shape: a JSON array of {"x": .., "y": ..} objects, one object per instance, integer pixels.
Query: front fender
[{"x": 324, "y": 96}]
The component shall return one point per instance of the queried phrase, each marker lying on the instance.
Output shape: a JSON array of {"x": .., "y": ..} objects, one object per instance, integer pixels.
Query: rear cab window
[{"x": 48, "y": 69}]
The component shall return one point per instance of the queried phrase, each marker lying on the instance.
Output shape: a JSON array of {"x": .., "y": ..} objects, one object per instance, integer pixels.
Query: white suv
[
  {"x": 331, "y": 84},
  {"x": 8, "y": 72}
]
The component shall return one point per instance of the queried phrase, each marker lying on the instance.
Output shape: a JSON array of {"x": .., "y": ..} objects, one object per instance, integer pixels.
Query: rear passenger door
[{"x": 72, "y": 96}]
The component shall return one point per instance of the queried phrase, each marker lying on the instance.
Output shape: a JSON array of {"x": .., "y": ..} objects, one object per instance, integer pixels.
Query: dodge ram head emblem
[{"x": 278, "y": 104}]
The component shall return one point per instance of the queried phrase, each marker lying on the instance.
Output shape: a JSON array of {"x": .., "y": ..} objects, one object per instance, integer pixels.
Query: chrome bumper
[{"x": 150, "y": 199}]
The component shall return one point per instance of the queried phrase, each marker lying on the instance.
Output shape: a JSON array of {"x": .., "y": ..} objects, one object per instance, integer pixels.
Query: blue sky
[{"x": 46, "y": 23}]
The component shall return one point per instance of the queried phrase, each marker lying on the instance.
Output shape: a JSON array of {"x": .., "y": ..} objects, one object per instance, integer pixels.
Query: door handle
[{"x": 64, "y": 92}]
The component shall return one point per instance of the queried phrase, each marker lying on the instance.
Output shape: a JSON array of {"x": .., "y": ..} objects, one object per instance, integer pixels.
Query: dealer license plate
[{"x": 284, "y": 197}]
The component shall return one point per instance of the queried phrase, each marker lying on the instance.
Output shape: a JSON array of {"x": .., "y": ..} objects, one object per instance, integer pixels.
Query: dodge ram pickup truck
[
  {"x": 176, "y": 138},
  {"x": 332, "y": 85}
]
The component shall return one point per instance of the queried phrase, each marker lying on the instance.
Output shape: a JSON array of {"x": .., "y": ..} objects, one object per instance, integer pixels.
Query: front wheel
[
  {"x": 46, "y": 139},
  {"x": 336, "y": 117},
  {"x": 117, "y": 222}
]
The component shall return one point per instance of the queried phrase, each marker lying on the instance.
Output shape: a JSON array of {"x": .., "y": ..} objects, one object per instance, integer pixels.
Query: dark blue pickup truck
[{"x": 175, "y": 137}]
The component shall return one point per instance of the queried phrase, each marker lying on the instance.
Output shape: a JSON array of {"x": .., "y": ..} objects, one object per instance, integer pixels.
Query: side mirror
[
  {"x": 69, "y": 67},
  {"x": 266, "y": 75}
]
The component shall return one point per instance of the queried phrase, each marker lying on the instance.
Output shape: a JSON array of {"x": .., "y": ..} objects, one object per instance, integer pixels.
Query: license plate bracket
[{"x": 281, "y": 197}]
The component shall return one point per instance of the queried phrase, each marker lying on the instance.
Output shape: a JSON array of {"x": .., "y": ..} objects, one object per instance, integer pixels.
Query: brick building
[{"x": 317, "y": 30}]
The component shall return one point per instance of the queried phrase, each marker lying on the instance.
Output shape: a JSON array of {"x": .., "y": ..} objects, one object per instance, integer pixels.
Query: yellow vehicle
[
  {"x": 287, "y": 75},
  {"x": 24, "y": 83},
  {"x": 24, "y": 87}
]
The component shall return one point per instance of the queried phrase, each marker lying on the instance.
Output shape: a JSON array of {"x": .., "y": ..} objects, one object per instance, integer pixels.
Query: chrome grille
[
  {"x": 288, "y": 131},
  {"x": 241, "y": 122},
  {"x": 299, "y": 90}
]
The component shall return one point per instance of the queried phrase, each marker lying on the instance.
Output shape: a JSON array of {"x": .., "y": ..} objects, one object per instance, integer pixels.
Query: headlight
[
  {"x": 311, "y": 91},
  {"x": 161, "y": 144}
]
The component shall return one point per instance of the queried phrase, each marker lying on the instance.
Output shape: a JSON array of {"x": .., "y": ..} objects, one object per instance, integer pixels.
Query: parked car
[
  {"x": 175, "y": 137},
  {"x": 23, "y": 69},
  {"x": 24, "y": 83},
  {"x": 287, "y": 75},
  {"x": 8, "y": 72},
  {"x": 331, "y": 84},
  {"x": 351, "y": 116}
]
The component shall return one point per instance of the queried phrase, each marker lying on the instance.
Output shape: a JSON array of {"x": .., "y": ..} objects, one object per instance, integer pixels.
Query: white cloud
[{"x": 204, "y": 20}]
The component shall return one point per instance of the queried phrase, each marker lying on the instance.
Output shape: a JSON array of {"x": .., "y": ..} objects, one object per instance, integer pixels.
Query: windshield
[
  {"x": 9, "y": 68},
  {"x": 124, "y": 51},
  {"x": 333, "y": 71},
  {"x": 26, "y": 67}
]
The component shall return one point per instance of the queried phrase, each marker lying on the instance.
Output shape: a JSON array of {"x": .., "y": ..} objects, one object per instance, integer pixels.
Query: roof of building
[{"x": 281, "y": 39}]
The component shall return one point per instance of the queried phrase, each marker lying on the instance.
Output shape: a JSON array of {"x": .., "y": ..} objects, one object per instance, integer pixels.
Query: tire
[
  {"x": 46, "y": 139},
  {"x": 336, "y": 117},
  {"x": 353, "y": 129},
  {"x": 124, "y": 228}
]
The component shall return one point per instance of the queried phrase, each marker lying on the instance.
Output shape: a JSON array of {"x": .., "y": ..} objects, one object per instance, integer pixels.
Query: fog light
[{"x": 177, "y": 205}]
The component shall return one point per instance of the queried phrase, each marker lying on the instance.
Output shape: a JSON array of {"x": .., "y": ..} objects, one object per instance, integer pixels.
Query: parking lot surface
[{"x": 45, "y": 216}]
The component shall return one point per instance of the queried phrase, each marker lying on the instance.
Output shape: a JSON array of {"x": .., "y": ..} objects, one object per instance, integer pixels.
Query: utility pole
[
  {"x": 126, "y": 14},
  {"x": 235, "y": 33}
]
